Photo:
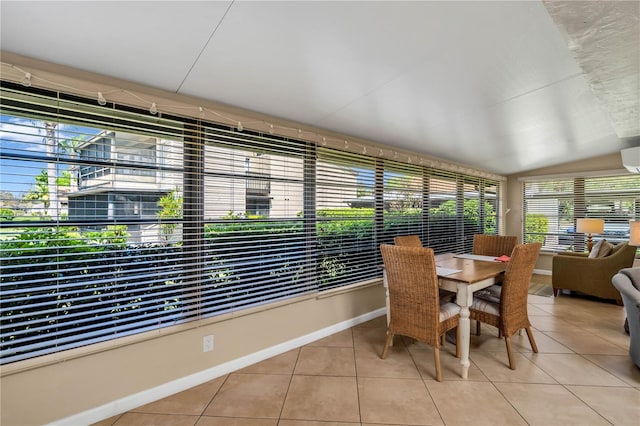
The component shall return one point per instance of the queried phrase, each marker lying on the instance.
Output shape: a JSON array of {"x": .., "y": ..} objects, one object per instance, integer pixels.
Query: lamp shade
[
  {"x": 590, "y": 226},
  {"x": 634, "y": 233}
]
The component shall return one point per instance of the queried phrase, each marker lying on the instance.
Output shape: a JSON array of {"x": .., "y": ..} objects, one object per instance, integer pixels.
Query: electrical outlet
[{"x": 207, "y": 343}]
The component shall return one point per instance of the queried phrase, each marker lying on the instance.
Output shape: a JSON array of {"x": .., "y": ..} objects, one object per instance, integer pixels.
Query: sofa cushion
[
  {"x": 602, "y": 248},
  {"x": 617, "y": 247},
  {"x": 605, "y": 249}
]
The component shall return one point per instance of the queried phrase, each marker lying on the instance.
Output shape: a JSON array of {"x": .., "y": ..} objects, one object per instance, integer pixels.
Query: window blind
[
  {"x": 82, "y": 254},
  {"x": 460, "y": 206},
  {"x": 346, "y": 218},
  {"x": 403, "y": 191},
  {"x": 553, "y": 206},
  {"x": 255, "y": 242},
  {"x": 115, "y": 221}
]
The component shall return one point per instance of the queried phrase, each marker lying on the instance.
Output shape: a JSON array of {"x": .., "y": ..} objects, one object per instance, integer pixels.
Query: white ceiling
[{"x": 503, "y": 86}]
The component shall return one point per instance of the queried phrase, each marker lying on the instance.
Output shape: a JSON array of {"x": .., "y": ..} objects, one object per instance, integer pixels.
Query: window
[
  {"x": 459, "y": 207},
  {"x": 402, "y": 196},
  {"x": 115, "y": 221},
  {"x": 83, "y": 258},
  {"x": 255, "y": 247},
  {"x": 96, "y": 150},
  {"x": 552, "y": 206},
  {"x": 345, "y": 199}
]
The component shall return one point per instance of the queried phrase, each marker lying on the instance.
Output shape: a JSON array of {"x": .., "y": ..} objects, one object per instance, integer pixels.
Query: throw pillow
[
  {"x": 605, "y": 249},
  {"x": 595, "y": 249}
]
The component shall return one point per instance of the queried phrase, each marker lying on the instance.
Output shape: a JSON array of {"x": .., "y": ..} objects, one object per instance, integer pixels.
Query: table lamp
[
  {"x": 589, "y": 226},
  {"x": 634, "y": 233}
]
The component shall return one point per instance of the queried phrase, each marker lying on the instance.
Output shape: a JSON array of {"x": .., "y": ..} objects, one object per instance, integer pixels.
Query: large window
[
  {"x": 552, "y": 207},
  {"x": 115, "y": 221}
]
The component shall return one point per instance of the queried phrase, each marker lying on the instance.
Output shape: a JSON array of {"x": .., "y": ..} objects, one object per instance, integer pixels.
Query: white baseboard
[
  {"x": 132, "y": 401},
  {"x": 542, "y": 271}
]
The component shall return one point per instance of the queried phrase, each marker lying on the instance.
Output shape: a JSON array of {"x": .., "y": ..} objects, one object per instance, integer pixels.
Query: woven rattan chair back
[
  {"x": 515, "y": 288},
  {"x": 414, "y": 241},
  {"x": 414, "y": 301},
  {"x": 408, "y": 241},
  {"x": 494, "y": 245},
  {"x": 513, "y": 315}
]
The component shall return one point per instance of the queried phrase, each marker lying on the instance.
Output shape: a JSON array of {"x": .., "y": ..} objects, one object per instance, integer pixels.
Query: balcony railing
[{"x": 258, "y": 186}]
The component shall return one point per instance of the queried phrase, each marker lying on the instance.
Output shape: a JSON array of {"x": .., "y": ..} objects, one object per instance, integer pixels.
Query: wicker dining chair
[
  {"x": 415, "y": 310},
  {"x": 414, "y": 241},
  {"x": 408, "y": 241},
  {"x": 494, "y": 245},
  {"x": 508, "y": 311}
]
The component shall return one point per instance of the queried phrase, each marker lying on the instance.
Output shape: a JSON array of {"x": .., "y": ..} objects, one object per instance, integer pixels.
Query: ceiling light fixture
[
  {"x": 153, "y": 109},
  {"x": 240, "y": 127},
  {"x": 101, "y": 100}
]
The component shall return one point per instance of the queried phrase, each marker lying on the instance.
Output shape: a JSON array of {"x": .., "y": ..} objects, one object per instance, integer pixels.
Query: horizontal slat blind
[
  {"x": 116, "y": 221},
  {"x": 83, "y": 253},
  {"x": 345, "y": 214},
  {"x": 403, "y": 200},
  {"x": 552, "y": 207},
  {"x": 255, "y": 246}
]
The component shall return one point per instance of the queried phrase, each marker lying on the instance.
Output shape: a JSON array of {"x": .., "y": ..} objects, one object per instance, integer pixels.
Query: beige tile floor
[{"x": 582, "y": 375}]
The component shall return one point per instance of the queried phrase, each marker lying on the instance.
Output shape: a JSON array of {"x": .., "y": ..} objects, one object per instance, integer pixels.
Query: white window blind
[
  {"x": 83, "y": 254},
  {"x": 346, "y": 218},
  {"x": 116, "y": 221},
  {"x": 552, "y": 207},
  {"x": 254, "y": 230},
  {"x": 459, "y": 207},
  {"x": 403, "y": 198}
]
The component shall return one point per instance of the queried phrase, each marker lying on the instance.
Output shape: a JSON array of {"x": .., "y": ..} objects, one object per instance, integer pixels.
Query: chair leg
[
  {"x": 512, "y": 361},
  {"x": 458, "y": 342},
  {"x": 436, "y": 358},
  {"x": 555, "y": 292},
  {"x": 387, "y": 343},
  {"x": 477, "y": 328},
  {"x": 443, "y": 339},
  {"x": 532, "y": 341}
]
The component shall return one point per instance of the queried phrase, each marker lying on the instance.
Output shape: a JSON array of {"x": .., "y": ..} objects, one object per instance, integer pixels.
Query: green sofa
[{"x": 577, "y": 272}]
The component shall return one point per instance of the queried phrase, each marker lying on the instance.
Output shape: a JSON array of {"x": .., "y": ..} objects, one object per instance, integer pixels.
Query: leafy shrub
[
  {"x": 537, "y": 225},
  {"x": 7, "y": 214}
]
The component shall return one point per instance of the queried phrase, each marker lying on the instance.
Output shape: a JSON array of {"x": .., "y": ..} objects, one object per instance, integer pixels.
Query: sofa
[
  {"x": 627, "y": 282},
  {"x": 591, "y": 275}
]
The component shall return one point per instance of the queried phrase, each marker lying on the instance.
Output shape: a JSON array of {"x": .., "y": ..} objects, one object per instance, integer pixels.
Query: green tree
[
  {"x": 40, "y": 190},
  {"x": 170, "y": 208}
]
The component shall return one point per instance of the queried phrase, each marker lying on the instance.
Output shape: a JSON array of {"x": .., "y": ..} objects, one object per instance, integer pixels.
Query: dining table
[{"x": 464, "y": 274}]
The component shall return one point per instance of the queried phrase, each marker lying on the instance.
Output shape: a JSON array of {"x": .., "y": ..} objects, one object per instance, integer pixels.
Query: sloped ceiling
[{"x": 502, "y": 86}]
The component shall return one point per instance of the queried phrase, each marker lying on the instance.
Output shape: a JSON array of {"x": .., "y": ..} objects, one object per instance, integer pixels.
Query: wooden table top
[{"x": 471, "y": 270}]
